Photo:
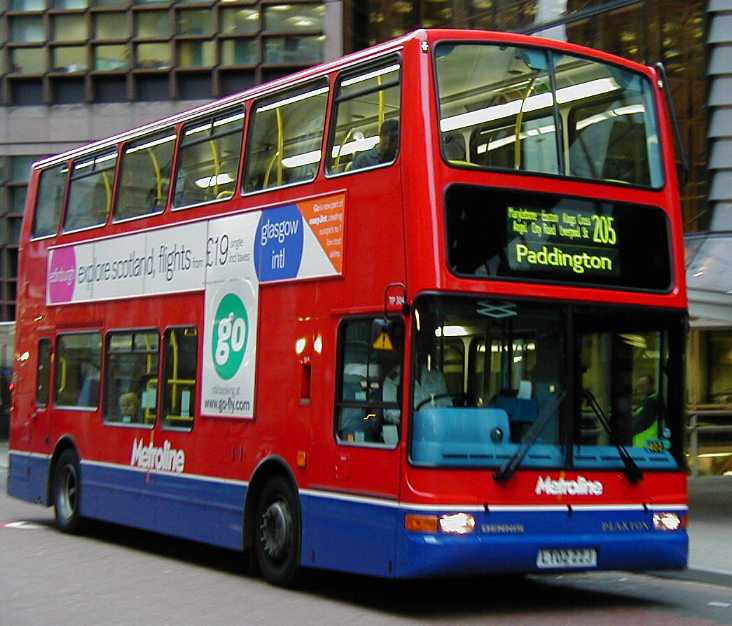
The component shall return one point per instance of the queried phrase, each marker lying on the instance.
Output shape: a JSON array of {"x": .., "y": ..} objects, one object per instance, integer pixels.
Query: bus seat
[{"x": 454, "y": 144}]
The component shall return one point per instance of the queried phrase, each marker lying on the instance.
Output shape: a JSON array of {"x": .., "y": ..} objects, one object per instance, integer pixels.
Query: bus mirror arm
[{"x": 683, "y": 161}]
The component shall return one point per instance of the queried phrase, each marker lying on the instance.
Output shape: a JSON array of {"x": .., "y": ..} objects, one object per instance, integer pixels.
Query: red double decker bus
[{"x": 418, "y": 311}]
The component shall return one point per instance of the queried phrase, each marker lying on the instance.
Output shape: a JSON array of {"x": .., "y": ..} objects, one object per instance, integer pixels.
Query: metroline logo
[
  {"x": 163, "y": 459},
  {"x": 579, "y": 487}
]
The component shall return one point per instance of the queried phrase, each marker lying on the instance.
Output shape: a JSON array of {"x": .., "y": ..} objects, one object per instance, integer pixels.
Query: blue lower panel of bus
[
  {"x": 28, "y": 477},
  {"x": 365, "y": 536},
  {"x": 189, "y": 507},
  {"x": 511, "y": 542}
]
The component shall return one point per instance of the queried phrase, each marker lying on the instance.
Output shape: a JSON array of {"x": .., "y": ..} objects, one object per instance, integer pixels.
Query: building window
[
  {"x": 131, "y": 378},
  {"x": 239, "y": 52},
  {"x": 196, "y": 54},
  {"x": 27, "y": 29},
  {"x": 69, "y": 59},
  {"x": 28, "y": 60},
  {"x": 27, "y": 5},
  {"x": 154, "y": 56},
  {"x": 193, "y": 22},
  {"x": 240, "y": 21},
  {"x": 179, "y": 382},
  {"x": 719, "y": 367},
  {"x": 78, "y": 363},
  {"x": 294, "y": 18},
  {"x": 152, "y": 25},
  {"x": 293, "y": 50},
  {"x": 69, "y": 27},
  {"x": 111, "y": 58},
  {"x": 111, "y": 26}
]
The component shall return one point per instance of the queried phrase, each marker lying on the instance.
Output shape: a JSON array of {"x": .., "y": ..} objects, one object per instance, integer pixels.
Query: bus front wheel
[
  {"x": 66, "y": 491},
  {"x": 277, "y": 543}
]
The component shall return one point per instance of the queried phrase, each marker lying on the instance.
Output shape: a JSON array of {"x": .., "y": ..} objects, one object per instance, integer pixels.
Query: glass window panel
[
  {"x": 17, "y": 201},
  {"x": 719, "y": 366},
  {"x": 208, "y": 161},
  {"x": 111, "y": 58},
  {"x": 69, "y": 27},
  {"x": 110, "y": 3},
  {"x": 240, "y": 52},
  {"x": 293, "y": 50},
  {"x": 131, "y": 378},
  {"x": 26, "y": 29},
  {"x": 28, "y": 60},
  {"x": 363, "y": 96},
  {"x": 368, "y": 405},
  {"x": 152, "y": 24},
  {"x": 239, "y": 21},
  {"x": 146, "y": 168},
  {"x": 78, "y": 364},
  {"x": 49, "y": 201},
  {"x": 111, "y": 26},
  {"x": 196, "y": 53},
  {"x": 27, "y": 5},
  {"x": 69, "y": 59},
  {"x": 70, "y": 4},
  {"x": 295, "y": 120},
  {"x": 153, "y": 56},
  {"x": 20, "y": 168},
  {"x": 193, "y": 22},
  {"x": 294, "y": 18},
  {"x": 90, "y": 193},
  {"x": 611, "y": 124},
  {"x": 43, "y": 372},
  {"x": 179, "y": 382}
]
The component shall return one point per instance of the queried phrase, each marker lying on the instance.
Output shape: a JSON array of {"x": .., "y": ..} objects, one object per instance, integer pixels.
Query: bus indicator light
[{"x": 420, "y": 523}]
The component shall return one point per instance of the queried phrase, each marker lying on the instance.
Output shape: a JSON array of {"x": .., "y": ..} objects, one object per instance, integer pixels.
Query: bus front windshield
[
  {"x": 501, "y": 106},
  {"x": 601, "y": 383}
]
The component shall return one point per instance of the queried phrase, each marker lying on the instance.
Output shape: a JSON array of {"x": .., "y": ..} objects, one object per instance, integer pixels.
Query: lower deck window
[{"x": 78, "y": 365}]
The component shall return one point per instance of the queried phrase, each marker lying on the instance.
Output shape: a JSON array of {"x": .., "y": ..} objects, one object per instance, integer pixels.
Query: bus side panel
[
  {"x": 346, "y": 535},
  {"x": 28, "y": 477},
  {"x": 197, "y": 508}
]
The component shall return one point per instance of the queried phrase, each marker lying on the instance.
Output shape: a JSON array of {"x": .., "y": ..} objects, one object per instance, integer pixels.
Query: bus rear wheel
[
  {"x": 66, "y": 492},
  {"x": 277, "y": 541}
]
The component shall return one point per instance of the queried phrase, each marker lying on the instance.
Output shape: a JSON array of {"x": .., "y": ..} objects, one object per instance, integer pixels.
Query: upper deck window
[
  {"x": 145, "y": 176},
  {"x": 500, "y": 107},
  {"x": 50, "y": 200},
  {"x": 366, "y": 131},
  {"x": 286, "y": 138},
  {"x": 90, "y": 193},
  {"x": 208, "y": 159}
]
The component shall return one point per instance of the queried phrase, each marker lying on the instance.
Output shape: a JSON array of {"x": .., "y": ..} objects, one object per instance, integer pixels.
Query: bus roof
[{"x": 428, "y": 35}]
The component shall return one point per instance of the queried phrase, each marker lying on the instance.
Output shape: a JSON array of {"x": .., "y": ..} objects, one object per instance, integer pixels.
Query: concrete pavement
[{"x": 710, "y": 528}]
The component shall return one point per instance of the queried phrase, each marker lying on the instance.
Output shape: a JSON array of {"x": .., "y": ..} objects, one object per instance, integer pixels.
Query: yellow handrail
[
  {"x": 108, "y": 192},
  {"x": 517, "y": 127},
  {"x": 217, "y": 165},
  {"x": 280, "y": 143},
  {"x": 158, "y": 178}
]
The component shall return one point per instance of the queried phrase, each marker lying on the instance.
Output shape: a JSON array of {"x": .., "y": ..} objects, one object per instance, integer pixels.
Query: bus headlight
[
  {"x": 666, "y": 521},
  {"x": 457, "y": 523}
]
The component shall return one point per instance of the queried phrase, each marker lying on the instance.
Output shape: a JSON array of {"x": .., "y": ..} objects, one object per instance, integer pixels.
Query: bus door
[
  {"x": 36, "y": 427},
  {"x": 365, "y": 464}
]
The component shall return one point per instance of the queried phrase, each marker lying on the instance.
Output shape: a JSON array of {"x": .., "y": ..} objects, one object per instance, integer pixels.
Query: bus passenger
[
  {"x": 384, "y": 151},
  {"x": 129, "y": 407},
  {"x": 646, "y": 416}
]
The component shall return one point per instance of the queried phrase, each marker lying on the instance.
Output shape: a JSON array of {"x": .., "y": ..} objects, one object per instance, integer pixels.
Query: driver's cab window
[{"x": 370, "y": 382}]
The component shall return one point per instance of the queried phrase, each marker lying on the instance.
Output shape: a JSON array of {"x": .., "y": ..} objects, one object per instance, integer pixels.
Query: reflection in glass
[
  {"x": 27, "y": 5},
  {"x": 50, "y": 201},
  {"x": 111, "y": 26},
  {"x": 294, "y": 18},
  {"x": 193, "y": 22},
  {"x": 27, "y": 29},
  {"x": 69, "y": 27}
]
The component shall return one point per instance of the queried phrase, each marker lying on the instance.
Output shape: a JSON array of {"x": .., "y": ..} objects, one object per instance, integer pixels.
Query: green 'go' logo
[{"x": 229, "y": 338}]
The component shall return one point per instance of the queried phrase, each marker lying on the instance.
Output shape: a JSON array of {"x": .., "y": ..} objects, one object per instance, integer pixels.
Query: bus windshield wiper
[
  {"x": 509, "y": 468},
  {"x": 632, "y": 471}
]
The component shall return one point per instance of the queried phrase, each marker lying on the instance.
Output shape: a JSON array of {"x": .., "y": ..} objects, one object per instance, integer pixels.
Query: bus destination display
[
  {"x": 518, "y": 235},
  {"x": 562, "y": 240}
]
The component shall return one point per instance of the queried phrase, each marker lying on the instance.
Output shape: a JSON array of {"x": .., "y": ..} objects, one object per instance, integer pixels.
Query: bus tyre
[
  {"x": 66, "y": 492},
  {"x": 277, "y": 540}
]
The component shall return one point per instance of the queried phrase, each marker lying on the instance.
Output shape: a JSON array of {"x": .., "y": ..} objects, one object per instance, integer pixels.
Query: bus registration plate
[{"x": 570, "y": 557}]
